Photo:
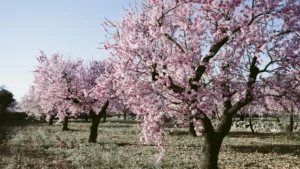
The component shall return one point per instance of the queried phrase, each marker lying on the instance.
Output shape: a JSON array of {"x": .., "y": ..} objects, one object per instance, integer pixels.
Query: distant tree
[
  {"x": 30, "y": 104},
  {"x": 283, "y": 95},
  {"x": 70, "y": 87},
  {"x": 6, "y": 100}
]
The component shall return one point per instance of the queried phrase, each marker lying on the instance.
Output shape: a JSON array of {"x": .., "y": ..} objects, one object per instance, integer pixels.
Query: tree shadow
[
  {"x": 122, "y": 144},
  {"x": 21, "y": 123},
  {"x": 169, "y": 125},
  {"x": 6, "y": 130},
  {"x": 115, "y": 126},
  {"x": 255, "y": 135},
  {"x": 179, "y": 133},
  {"x": 121, "y": 121},
  {"x": 7, "y": 127},
  {"x": 3, "y": 134},
  {"x": 80, "y": 121},
  {"x": 74, "y": 130},
  {"x": 279, "y": 149},
  {"x": 132, "y": 144}
]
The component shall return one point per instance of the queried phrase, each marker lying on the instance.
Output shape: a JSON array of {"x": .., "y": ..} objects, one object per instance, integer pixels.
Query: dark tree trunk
[
  {"x": 65, "y": 124},
  {"x": 125, "y": 114},
  {"x": 104, "y": 117},
  {"x": 95, "y": 122},
  {"x": 214, "y": 137},
  {"x": 277, "y": 119},
  {"x": 210, "y": 150},
  {"x": 86, "y": 117},
  {"x": 291, "y": 126},
  {"x": 251, "y": 125},
  {"x": 213, "y": 140},
  {"x": 94, "y": 128},
  {"x": 43, "y": 118},
  {"x": 51, "y": 120},
  {"x": 192, "y": 130},
  {"x": 242, "y": 116}
]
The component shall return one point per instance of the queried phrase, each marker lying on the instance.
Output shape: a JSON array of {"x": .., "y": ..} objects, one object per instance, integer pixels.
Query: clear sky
[{"x": 70, "y": 27}]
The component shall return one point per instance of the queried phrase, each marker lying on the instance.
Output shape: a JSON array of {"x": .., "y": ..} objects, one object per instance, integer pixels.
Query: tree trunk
[
  {"x": 192, "y": 130},
  {"x": 104, "y": 117},
  {"x": 125, "y": 114},
  {"x": 251, "y": 125},
  {"x": 95, "y": 122},
  {"x": 210, "y": 151},
  {"x": 291, "y": 126},
  {"x": 94, "y": 128},
  {"x": 65, "y": 124},
  {"x": 277, "y": 119},
  {"x": 213, "y": 140},
  {"x": 86, "y": 117},
  {"x": 242, "y": 116},
  {"x": 43, "y": 118},
  {"x": 51, "y": 121},
  {"x": 214, "y": 137}
]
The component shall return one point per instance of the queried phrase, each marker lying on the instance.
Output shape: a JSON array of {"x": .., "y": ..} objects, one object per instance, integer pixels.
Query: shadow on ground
[
  {"x": 123, "y": 121},
  {"x": 6, "y": 127},
  {"x": 80, "y": 121},
  {"x": 179, "y": 133},
  {"x": 115, "y": 126},
  {"x": 3, "y": 134},
  {"x": 279, "y": 149},
  {"x": 121, "y": 144},
  {"x": 255, "y": 135}
]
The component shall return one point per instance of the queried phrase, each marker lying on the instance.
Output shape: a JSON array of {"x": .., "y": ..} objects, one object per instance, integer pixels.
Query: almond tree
[
  {"x": 283, "y": 95},
  {"x": 179, "y": 57},
  {"x": 30, "y": 105},
  {"x": 67, "y": 85}
]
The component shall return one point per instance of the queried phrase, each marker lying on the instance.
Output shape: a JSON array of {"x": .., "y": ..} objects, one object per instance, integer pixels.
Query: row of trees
[{"x": 183, "y": 59}]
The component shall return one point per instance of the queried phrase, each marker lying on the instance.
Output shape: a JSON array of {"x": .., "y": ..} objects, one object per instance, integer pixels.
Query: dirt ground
[{"x": 35, "y": 145}]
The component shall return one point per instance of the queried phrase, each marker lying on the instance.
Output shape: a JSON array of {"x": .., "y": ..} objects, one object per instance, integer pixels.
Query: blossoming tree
[
  {"x": 30, "y": 104},
  {"x": 68, "y": 85},
  {"x": 180, "y": 57},
  {"x": 283, "y": 95}
]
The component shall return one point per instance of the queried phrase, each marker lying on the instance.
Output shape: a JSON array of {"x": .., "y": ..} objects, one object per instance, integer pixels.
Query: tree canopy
[
  {"x": 6, "y": 99},
  {"x": 182, "y": 57}
]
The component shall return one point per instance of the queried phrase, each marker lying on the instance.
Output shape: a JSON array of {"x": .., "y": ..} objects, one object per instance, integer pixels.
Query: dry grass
[{"x": 38, "y": 145}]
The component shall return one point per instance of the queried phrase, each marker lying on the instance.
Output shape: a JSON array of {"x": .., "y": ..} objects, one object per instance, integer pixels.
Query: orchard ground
[{"x": 35, "y": 145}]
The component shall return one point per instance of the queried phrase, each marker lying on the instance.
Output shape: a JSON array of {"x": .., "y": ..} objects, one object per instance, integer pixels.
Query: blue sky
[{"x": 70, "y": 27}]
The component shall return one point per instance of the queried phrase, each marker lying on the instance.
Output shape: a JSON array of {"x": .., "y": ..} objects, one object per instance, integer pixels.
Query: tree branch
[
  {"x": 176, "y": 43},
  {"x": 208, "y": 127},
  {"x": 254, "y": 71}
]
